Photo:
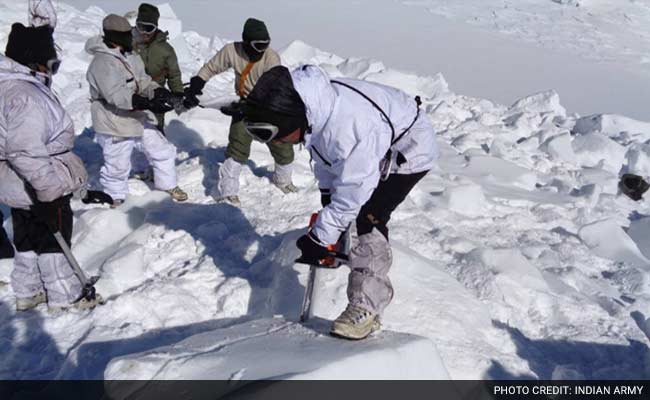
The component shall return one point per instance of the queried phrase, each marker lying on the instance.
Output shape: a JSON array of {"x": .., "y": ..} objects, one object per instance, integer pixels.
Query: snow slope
[
  {"x": 595, "y": 55},
  {"x": 516, "y": 258}
]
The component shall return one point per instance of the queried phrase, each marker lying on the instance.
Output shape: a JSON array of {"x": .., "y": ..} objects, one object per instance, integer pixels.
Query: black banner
[{"x": 325, "y": 390}]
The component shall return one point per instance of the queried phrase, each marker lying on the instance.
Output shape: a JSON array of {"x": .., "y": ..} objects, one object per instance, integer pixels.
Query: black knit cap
[
  {"x": 148, "y": 13},
  {"x": 31, "y": 45},
  {"x": 254, "y": 29},
  {"x": 275, "y": 100}
]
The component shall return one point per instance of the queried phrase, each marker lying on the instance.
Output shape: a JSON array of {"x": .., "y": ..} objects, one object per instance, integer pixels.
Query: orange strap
[{"x": 242, "y": 79}]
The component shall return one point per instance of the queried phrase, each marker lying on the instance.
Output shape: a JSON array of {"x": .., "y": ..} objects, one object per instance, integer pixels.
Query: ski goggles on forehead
[
  {"x": 261, "y": 131},
  {"x": 145, "y": 27},
  {"x": 260, "y": 45}
]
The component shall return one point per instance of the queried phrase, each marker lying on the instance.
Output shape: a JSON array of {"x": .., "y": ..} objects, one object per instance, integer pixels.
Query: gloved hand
[
  {"x": 162, "y": 94},
  {"x": 50, "y": 212},
  {"x": 195, "y": 89},
  {"x": 325, "y": 197},
  {"x": 158, "y": 105},
  {"x": 139, "y": 102},
  {"x": 312, "y": 250},
  {"x": 233, "y": 110},
  {"x": 196, "y": 86}
]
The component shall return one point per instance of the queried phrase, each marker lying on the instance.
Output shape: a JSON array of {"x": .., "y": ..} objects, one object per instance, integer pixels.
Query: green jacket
[{"x": 160, "y": 62}]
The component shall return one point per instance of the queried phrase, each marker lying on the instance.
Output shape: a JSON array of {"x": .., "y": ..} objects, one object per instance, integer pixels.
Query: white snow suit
[
  {"x": 350, "y": 137},
  {"x": 36, "y": 139},
  {"x": 114, "y": 78}
]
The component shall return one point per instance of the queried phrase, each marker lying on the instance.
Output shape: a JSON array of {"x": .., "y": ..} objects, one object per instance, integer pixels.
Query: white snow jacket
[
  {"x": 350, "y": 138},
  {"x": 36, "y": 139},
  {"x": 114, "y": 78}
]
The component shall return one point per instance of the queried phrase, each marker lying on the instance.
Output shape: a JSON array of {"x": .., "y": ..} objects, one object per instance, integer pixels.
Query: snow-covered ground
[
  {"x": 597, "y": 55},
  {"x": 516, "y": 258}
]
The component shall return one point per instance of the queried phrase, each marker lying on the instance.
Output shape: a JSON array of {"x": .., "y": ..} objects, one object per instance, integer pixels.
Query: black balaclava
[
  {"x": 275, "y": 100},
  {"x": 254, "y": 29},
  {"x": 31, "y": 46}
]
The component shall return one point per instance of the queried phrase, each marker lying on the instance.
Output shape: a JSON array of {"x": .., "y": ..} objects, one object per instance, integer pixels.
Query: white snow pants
[
  {"x": 48, "y": 272},
  {"x": 228, "y": 184},
  {"x": 368, "y": 283},
  {"x": 114, "y": 174},
  {"x": 282, "y": 174}
]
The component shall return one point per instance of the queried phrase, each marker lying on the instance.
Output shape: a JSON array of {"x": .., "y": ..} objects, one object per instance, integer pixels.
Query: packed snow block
[
  {"x": 425, "y": 87},
  {"x": 607, "y": 239},
  {"x": 614, "y": 126},
  {"x": 547, "y": 102},
  {"x": 299, "y": 52},
  {"x": 598, "y": 151},
  {"x": 466, "y": 199},
  {"x": 360, "y": 68},
  {"x": 638, "y": 160},
  {"x": 639, "y": 232},
  {"x": 278, "y": 349},
  {"x": 504, "y": 276},
  {"x": 497, "y": 170},
  {"x": 559, "y": 148}
]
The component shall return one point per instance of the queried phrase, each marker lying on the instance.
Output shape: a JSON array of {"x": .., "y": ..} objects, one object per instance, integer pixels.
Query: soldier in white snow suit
[
  {"x": 122, "y": 94},
  {"x": 38, "y": 171},
  {"x": 370, "y": 145}
]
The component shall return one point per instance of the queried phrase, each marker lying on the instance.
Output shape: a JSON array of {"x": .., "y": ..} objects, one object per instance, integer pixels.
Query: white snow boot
[
  {"x": 177, "y": 194},
  {"x": 355, "y": 323},
  {"x": 82, "y": 304},
  {"x": 27, "y": 303},
  {"x": 234, "y": 200}
]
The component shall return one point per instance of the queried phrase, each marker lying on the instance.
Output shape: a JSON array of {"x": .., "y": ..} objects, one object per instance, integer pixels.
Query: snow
[
  {"x": 596, "y": 56},
  {"x": 514, "y": 258}
]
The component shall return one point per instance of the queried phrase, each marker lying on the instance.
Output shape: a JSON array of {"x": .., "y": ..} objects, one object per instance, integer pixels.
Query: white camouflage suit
[
  {"x": 36, "y": 136},
  {"x": 114, "y": 78},
  {"x": 348, "y": 141}
]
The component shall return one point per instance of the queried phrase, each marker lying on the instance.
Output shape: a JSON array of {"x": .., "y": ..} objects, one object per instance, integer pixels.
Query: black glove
[
  {"x": 158, "y": 105},
  {"x": 161, "y": 103},
  {"x": 139, "y": 102},
  {"x": 97, "y": 197},
  {"x": 312, "y": 250},
  {"x": 50, "y": 212},
  {"x": 325, "y": 197},
  {"x": 196, "y": 86},
  {"x": 195, "y": 89},
  {"x": 162, "y": 93},
  {"x": 233, "y": 110}
]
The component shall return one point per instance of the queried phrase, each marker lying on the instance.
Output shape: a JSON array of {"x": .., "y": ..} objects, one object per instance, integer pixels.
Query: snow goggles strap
[
  {"x": 260, "y": 46},
  {"x": 261, "y": 131},
  {"x": 145, "y": 27}
]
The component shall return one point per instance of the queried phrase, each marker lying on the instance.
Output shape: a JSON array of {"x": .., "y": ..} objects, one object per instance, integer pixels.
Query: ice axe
[
  {"x": 333, "y": 261},
  {"x": 87, "y": 285}
]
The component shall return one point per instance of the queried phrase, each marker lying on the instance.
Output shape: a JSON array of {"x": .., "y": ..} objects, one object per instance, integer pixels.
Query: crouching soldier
[
  {"x": 249, "y": 58},
  {"x": 38, "y": 171},
  {"x": 121, "y": 93},
  {"x": 370, "y": 145}
]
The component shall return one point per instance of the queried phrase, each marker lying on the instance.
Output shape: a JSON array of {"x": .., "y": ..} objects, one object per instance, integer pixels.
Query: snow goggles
[
  {"x": 260, "y": 45},
  {"x": 145, "y": 27},
  {"x": 53, "y": 65},
  {"x": 261, "y": 131}
]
